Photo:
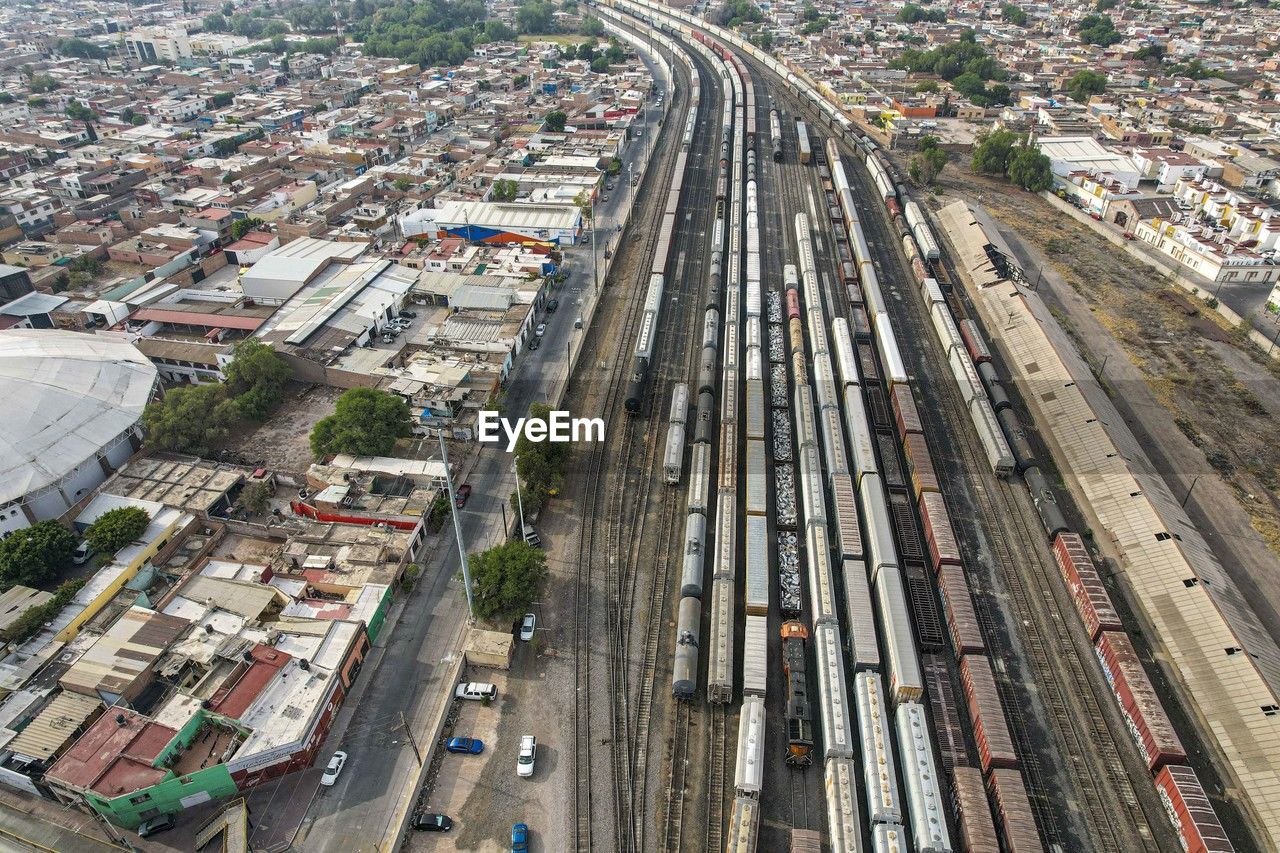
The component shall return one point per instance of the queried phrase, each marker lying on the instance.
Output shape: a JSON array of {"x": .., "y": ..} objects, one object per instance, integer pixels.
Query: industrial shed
[{"x": 1225, "y": 663}]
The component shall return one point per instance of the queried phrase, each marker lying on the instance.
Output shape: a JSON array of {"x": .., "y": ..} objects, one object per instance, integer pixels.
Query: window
[
  {"x": 1271, "y": 710},
  {"x": 139, "y": 800},
  {"x": 1233, "y": 650},
  {"x": 1191, "y": 582},
  {"x": 1163, "y": 537}
]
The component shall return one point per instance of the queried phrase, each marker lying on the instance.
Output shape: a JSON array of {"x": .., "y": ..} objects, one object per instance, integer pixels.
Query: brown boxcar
[
  {"x": 938, "y": 532},
  {"x": 905, "y": 410},
  {"x": 923, "y": 477},
  {"x": 990, "y": 730},
  {"x": 1013, "y": 809},
  {"x": 1091, "y": 598},
  {"x": 962, "y": 621},
  {"x": 1190, "y": 811},
  {"x": 1150, "y": 726},
  {"x": 975, "y": 830}
]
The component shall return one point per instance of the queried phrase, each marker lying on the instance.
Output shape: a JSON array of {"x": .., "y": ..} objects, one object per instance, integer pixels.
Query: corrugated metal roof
[
  {"x": 18, "y": 600},
  {"x": 1196, "y": 624},
  {"x": 200, "y": 318},
  {"x": 55, "y": 727}
]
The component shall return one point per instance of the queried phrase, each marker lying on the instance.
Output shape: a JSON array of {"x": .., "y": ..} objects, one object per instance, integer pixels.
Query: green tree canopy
[
  {"x": 591, "y": 26},
  {"x": 540, "y": 465},
  {"x": 29, "y": 623},
  {"x": 505, "y": 579},
  {"x": 913, "y": 13},
  {"x": 1099, "y": 30},
  {"x": 80, "y": 49},
  {"x": 927, "y": 164},
  {"x": 991, "y": 156},
  {"x": 116, "y": 528},
  {"x": 1086, "y": 84},
  {"x": 255, "y": 496},
  {"x": 365, "y": 422},
  {"x": 190, "y": 419},
  {"x": 505, "y": 190},
  {"x": 1013, "y": 14},
  {"x": 31, "y": 556},
  {"x": 215, "y": 23},
  {"x": 536, "y": 17},
  {"x": 77, "y": 111},
  {"x": 1030, "y": 169},
  {"x": 256, "y": 375},
  {"x": 241, "y": 227},
  {"x": 495, "y": 30},
  {"x": 554, "y": 121}
]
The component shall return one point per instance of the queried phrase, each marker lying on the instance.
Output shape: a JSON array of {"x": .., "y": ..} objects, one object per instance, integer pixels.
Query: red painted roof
[
  {"x": 232, "y": 700},
  {"x": 114, "y": 758},
  {"x": 198, "y": 318}
]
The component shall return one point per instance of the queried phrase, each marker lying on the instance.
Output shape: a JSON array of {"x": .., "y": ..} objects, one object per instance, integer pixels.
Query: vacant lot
[
  {"x": 283, "y": 442},
  {"x": 1216, "y": 388}
]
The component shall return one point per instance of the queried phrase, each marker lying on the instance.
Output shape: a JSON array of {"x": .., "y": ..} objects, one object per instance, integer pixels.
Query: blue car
[
  {"x": 520, "y": 838},
  {"x": 468, "y": 745}
]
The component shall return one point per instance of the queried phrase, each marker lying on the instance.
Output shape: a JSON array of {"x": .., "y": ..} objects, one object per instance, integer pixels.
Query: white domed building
[{"x": 70, "y": 412}]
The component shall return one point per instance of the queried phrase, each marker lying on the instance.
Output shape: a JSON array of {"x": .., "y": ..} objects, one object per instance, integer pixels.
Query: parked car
[
  {"x": 432, "y": 822},
  {"x": 331, "y": 772},
  {"x": 464, "y": 492},
  {"x": 476, "y": 690},
  {"x": 541, "y": 330},
  {"x": 465, "y": 745},
  {"x": 409, "y": 315},
  {"x": 527, "y": 624},
  {"x": 156, "y": 825},
  {"x": 1128, "y": 235},
  {"x": 388, "y": 339},
  {"x": 83, "y": 552},
  {"x": 520, "y": 838},
  {"x": 535, "y": 343},
  {"x": 528, "y": 752},
  {"x": 552, "y": 305}
]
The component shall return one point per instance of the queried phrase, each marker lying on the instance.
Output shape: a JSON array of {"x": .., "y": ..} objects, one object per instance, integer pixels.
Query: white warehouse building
[{"x": 73, "y": 403}]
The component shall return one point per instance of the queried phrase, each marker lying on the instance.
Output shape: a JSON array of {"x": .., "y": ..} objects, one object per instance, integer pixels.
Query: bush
[
  {"x": 365, "y": 422},
  {"x": 29, "y": 624},
  {"x": 255, "y": 497},
  {"x": 505, "y": 579},
  {"x": 31, "y": 556},
  {"x": 117, "y": 528}
]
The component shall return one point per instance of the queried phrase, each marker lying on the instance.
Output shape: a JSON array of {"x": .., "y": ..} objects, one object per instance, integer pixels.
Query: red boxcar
[
  {"x": 793, "y": 304},
  {"x": 918, "y": 270},
  {"x": 973, "y": 341},
  {"x": 1150, "y": 726},
  {"x": 1078, "y": 570},
  {"x": 976, "y": 830},
  {"x": 1017, "y": 823},
  {"x": 938, "y": 532},
  {"x": 945, "y": 714},
  {"x": 923, "y": 477},
  {"x": 990, "y": 731},
  {"x": 1190, "y": 811},
  {"x": 962, "y": 622},
  {"x": 905, "y": 411}
]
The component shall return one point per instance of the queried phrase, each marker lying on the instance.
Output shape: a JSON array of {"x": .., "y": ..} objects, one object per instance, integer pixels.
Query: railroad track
[
  {"x": 1110, "y": 809},
  {"x": 673, "y": 822},
  {"x": 633, "y": 267},
  {"x": 717, "y": 774}
]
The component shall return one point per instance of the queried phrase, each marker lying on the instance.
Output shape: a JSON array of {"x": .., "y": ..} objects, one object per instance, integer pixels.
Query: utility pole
[
  {"x": 457, "y": 529},
  {"x": 409, "y": 732},
  {"x": 1195, "y": 480},
  {"x": 515, "y": 465},
  {"x": 595, "y": 273}
]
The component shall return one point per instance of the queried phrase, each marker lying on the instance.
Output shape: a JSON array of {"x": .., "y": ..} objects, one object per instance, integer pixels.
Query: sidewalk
[{"x": 34, "y": 823}]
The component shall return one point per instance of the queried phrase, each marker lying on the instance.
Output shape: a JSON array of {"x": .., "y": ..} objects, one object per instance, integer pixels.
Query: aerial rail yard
[{"x": 820, "y": 553}]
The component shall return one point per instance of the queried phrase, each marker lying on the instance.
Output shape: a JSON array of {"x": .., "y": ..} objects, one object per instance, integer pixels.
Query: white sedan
[{"x": 331, "y": 772}]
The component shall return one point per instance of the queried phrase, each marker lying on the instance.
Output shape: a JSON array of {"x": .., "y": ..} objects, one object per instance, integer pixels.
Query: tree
[
  {"x": 1030, "y": 169},
  {"x": 42, "y": 84},
  {"x": 913, "y": 13},
  {"x": 505, "y": 579},
  {"x": 1013, "y": 14},
  {"x": 1085, "y": 84},
  {"x": 86, "y": 264},
  {"x": 600, "y": 65},
  {"x": 116, "y": 528},
  {"x": 255, "y": 496},
  {"x": 241, "y": 227},
  {"x": 586, "y": 52},
  {"x": 991, "y": 156},
  {"x": 925, "y": 87},
  {"x": 32, "y": 555},
  {"x": 223, "y": 99},
  {"x": 1104, "y": 5},
  {"x": 77, "y": 111},
  {"x": 505, "y": 190},
  {"x": 215, "y": 23},
  {"x": 591, "y": 26},
  {"x": 927, "y": 164},
  {"x": 256, "y": 375},
  {"x": 1099, "y": 30},
  {"x": 536, "y": 17},
  {"x": 365, "y": 422},
  {"x": 190, "y": 419},
  {"x": 80, "y": 49},
  {"x": 554, "y": 122},
  {"x": 540, "y": 465}
]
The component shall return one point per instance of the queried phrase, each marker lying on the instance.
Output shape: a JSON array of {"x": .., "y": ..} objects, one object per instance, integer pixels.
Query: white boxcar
[
  {"x": 814, "y": 502},
  {"x": 755, "y": 657},
  {"x": 925, "y": 804},
  {"x": 879, "y": 778},
  {"x": 881, "y": 551},
  {"x": 806, "y": 427},
  {"x": 890, "y": 357},
  {"x": 890, "y": 838},
  {"x": 755, "y": 408},
  {"x": 861, "y": 439},
  {"x": 846, "y": 358},
  {"x": 903, "y": 664},
  {"x": 844, "y": 822},
  {"x": 757, "y": 488},
  {"x": 822, "y": 591},
  {"x": 749, "y": 771},
  {"x": 744, "y": 824},
  {"x": 720, "y": 642},
  {"x": 757, "y": 565},
  {"x": 673, "y": 456},
  {"x": 833, "y": 451},
  {"x": 863, "y": 648}
]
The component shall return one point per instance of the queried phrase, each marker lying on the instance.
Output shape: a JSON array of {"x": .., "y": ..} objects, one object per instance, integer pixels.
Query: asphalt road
[{"x": 359, "y": 811}]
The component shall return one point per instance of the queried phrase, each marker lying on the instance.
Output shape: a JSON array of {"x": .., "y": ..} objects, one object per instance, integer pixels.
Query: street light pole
[
  {"x": 519, "y": 497},
  {"x": 457, "y": 527},
  {"x": 1195, "y": 480},
  {"x": 595, "y": 273}
]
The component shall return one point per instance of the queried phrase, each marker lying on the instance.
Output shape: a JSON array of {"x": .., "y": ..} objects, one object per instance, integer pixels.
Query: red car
[{"x": 464, "y": 492}]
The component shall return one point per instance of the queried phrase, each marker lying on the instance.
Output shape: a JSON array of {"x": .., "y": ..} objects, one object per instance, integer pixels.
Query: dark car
[
  {"x": 432, "y": 822},
  {"x": 464, "y": 492},
  {"x": 157, "y": 825},
  {"x": 408, "y": 315},
  {"x": 466, "y": 745},
  {"x": 519, "y": 838},
  {"x": 535, "y": 343},
  {"x": 552, "y": 306}
]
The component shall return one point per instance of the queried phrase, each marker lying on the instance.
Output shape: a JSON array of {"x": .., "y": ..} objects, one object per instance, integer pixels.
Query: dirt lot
[
  {"x": 1213, "y": 385},
  {"x": 283, "y": 442}
]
